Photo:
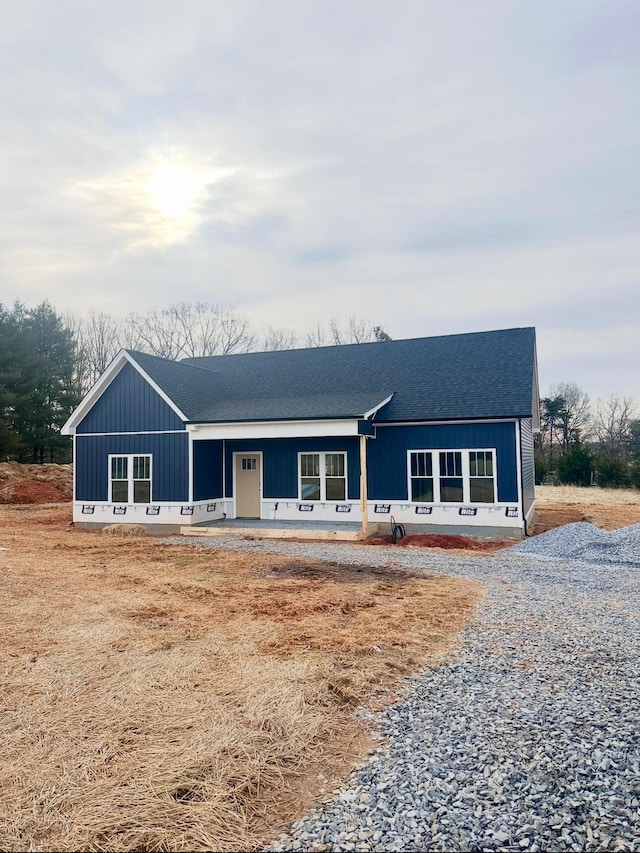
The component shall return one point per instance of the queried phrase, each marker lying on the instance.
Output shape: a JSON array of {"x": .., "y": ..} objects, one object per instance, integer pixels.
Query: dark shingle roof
[{"x": 452, "y": 377}]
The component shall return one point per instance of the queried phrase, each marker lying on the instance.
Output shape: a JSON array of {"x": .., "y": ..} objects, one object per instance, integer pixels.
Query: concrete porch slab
[{"x": 266, "y": 529}]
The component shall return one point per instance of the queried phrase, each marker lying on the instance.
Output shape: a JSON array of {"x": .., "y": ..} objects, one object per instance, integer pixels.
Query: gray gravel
[
  {"x": 529, "y": 740},
  {"x": 584, "y": 541}
]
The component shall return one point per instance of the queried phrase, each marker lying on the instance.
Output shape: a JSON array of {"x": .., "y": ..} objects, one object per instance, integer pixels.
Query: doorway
[{"x": 248, "y": 476}]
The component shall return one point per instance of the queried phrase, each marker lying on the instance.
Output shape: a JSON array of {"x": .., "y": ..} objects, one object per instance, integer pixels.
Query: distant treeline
[{"x": 585, "y": 444}]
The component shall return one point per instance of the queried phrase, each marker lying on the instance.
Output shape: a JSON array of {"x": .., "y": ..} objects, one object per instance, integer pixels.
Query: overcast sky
[{"x": 434, "y": 166}]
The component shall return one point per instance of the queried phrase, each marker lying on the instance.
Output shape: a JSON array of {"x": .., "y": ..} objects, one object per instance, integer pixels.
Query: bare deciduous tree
[
  {"x": 354, "y": 330},
  {"x": 574, "y": 417},
  {"x": 613, "y": 423},
  {"x": 99, "y": 337},
  {"x": 278, "y": 339},
  {"x": 189, "y": 331}
]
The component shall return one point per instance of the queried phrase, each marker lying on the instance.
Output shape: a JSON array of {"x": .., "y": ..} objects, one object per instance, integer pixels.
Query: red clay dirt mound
[
  {"x": 448, "y": 541},
  {"x": 34, "y": 484}
]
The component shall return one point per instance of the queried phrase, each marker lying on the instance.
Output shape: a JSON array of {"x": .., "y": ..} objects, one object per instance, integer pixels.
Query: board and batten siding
[
  {"x": 207, "y": 470},
  {"x": 528, "y": 465},
  {"x": 280, "y": 461},
  {"x": 170, "y": 466},
  {"x": 387, "y": 454},
  {"x": 129, "y": 404}
]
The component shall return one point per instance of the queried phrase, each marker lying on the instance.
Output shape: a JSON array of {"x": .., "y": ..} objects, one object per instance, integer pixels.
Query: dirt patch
[
  {"x": 37, "y": 492},
  {"x": 163, "y": 698},
  {"x": 31, "y": 484},
  {"x": 443, "y": 541}
]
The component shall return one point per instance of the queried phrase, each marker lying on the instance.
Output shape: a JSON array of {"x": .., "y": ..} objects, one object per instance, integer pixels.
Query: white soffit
[{"x": 273, "y": 429}]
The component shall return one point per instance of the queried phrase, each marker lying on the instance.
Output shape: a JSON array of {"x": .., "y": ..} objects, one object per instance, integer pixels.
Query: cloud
[{"x": 437, "y": 167}]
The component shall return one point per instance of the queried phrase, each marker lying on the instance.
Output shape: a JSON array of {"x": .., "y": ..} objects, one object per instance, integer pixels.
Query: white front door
[{"x": 248, "y": 476}]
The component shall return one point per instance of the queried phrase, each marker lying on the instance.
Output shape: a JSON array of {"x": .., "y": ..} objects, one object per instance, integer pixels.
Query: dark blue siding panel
[
  {"x": 170, "y": 464},
  {"x": 387, "y": 454},
  {"x": 207, "y": 470},
  {"x": 280, "y": 461},
  {"x": 528, "y": 467},
  {"x": 130, "y": 404}
]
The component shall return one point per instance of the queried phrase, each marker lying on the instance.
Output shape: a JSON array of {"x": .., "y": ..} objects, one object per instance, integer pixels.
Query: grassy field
[
  {"x": 158, "y": 698},
  {"x": 606, "y": 508}
]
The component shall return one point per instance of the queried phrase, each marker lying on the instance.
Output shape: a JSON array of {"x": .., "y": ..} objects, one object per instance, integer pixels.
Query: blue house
[{"x": 436, "y": 432}]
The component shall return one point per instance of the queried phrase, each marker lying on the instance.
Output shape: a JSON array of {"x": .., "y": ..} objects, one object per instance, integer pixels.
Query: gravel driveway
[{"x": 527, "y": 741}]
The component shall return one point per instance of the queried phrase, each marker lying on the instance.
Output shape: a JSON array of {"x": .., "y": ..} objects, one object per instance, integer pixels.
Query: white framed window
[
  {"x": 452, "y": 476},
  {"x": 421, "y": 477},
  {"x": 482, "y": 486},
  {"x": 130, "y": 478},
  {"x": 322, "y": 476}
]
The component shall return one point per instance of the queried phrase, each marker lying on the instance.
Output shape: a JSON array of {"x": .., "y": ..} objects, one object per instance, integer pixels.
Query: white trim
[
  {"x": 465, "y": 476},
  {"x": 377, "y": 408},
  {"x": 130, "y": 478},
  {"x": 532, "y": 509},
  {"x": 190, "y": 465},
  {"x": 275, "y": 429},
  {"x": 235, "y": 486},
  {"x": 92, "y": 397},
  {"x": 75, "y": 465},
  {"x": 136, "y": 432},
  {"x": 157, "y": 389},
  {"x": 323, "y": 476},
  {"x": 535, "y": 405},
  {"x": 519, "y": 467}
]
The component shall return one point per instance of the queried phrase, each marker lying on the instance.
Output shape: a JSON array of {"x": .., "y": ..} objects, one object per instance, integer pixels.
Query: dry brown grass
[
  {"x": 546, "y": 495},
  {"x": 124, "y": 530},
  {"x": 606, "y": 508},
  {"x": 157, "y": 698}
]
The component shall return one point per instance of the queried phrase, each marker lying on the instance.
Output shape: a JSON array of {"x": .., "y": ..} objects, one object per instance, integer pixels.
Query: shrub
[
  {"x": 575, "y": 466},
  {"x": 542, "y": 469},
  {"x": 611, "y": 473}
]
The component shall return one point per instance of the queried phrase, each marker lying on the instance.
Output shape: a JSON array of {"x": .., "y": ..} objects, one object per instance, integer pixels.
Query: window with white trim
[
  {"x": 481, "y": 481},
  {"x": 451, "y": 479},
  {"x": 452, "y": 476},
  {"x": 421, "y": 477},
  {"x": 322, "y": 476},
  {"x": 130, "y": 479}
]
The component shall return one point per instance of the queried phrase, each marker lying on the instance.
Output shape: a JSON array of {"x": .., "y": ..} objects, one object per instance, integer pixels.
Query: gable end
[{"x": 129, "y": 404}]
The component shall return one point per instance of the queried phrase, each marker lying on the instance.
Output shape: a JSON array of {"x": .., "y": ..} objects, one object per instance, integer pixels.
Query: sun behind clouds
[
  {"x": 174, "y": 190},
  {"x": 164, "y": 197}
]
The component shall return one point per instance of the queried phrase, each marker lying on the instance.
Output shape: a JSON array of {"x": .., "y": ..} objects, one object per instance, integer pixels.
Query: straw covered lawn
[
  {"x": 159, "y": 698},
  {"x": 606, "y": 508}
]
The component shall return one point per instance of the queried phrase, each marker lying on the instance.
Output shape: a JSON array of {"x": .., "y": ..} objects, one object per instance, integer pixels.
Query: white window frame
[
  {"x": 130, "y": 479},
  {"x": 323, "y": 476},
  {"x": 466, "y": 474}
]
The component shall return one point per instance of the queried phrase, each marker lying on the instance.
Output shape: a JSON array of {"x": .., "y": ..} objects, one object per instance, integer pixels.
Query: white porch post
[{"x": 363, "y": 485}]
